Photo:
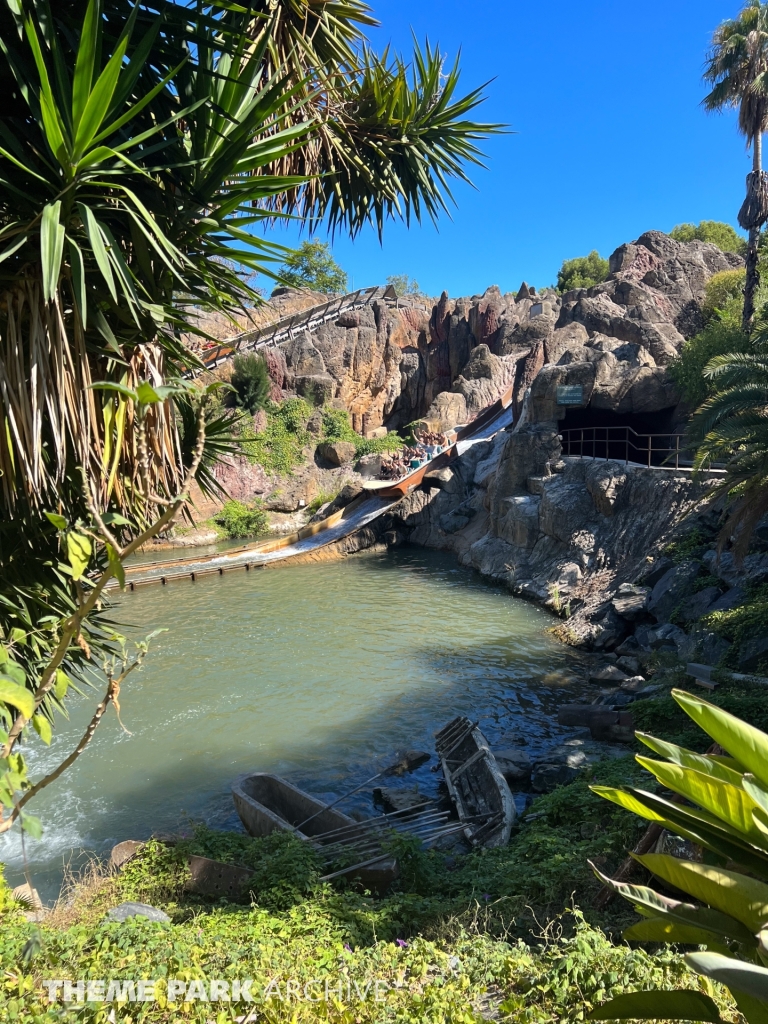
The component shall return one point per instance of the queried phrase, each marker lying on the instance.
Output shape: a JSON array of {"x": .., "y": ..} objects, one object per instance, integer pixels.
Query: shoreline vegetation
[
  {"x": 243, "y": 115},
  {"x": 521, "y": 933}
]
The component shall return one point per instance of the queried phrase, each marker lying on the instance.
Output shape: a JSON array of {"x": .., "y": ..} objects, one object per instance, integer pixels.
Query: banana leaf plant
[{"x": 724, "y": 811}]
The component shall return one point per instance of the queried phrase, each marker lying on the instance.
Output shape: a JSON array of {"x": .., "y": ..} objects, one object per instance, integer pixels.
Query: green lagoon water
[{"x": 320, "y": 673}]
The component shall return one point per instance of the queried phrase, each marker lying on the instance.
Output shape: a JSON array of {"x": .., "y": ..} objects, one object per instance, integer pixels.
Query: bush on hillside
[
  {"x": 336, "y": 427},
  {"x": 251, "y": 382},
  {"x": 280, "y": 447},
  {"x": 240, "y": 520},
  {"x": 721, "y": 335},
  {"x": 715, "y": 231},
  {"x": 722, "y": 291},
  {"x": 582, "y": 272}
]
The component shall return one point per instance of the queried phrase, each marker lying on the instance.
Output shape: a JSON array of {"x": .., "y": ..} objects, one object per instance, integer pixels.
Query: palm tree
[
  {"x": 737, "y": 68},
  {"x": 731, "y": 427}
]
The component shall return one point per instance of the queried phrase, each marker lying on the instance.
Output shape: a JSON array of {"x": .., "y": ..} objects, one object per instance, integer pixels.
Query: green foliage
[
  {"x": 8, "y": 904},
  {"x": 144, "y": 148},
  {"x": 692, "y": 544},
  {"x": 582, "y": 272},
  {"x": 321, "y": 499},
  {"x": 664, "y": 716},
  {"x": 251, "y": 382},
  {"x": 240, "y": 520},
  {"x": 724, "y": 292},
  {"x": 731, "y": 427},
  {"x": 568, "y": 977},
  {"x": 280, "y": 447},
  {"x": 742, "y": 624},
  {"x": 721, "y": 334},
  {"x": 724, "y": 809},
  {"x": 715, "y": 231},
  {"x": 403, "y": 284},
  {"x": 313, "y": 266},
  {"x": 336, "y": 427}
]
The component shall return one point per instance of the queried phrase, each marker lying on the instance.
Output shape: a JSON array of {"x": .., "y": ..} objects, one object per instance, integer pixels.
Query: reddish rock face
[{"x": 388, "y": 365}]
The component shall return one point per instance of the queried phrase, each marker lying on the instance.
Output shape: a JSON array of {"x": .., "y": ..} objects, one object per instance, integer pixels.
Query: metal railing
[
  {"x": 655, "y": 451},
  {"x": 280, "y": 331}
]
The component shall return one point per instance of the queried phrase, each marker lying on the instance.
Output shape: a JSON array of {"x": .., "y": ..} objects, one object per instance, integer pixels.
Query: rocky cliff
[
  {"x": 393, "y": 365},
  {"x": 564, "y": 531}
]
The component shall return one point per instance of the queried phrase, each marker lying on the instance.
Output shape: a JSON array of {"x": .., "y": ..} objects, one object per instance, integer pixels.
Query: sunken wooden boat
[
  {"x": 479, "y": 791},
  {"x": 266, "y": 803}
]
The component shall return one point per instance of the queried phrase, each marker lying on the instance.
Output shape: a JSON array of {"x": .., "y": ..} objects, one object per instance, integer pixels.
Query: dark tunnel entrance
[{"x": 647, "y": 438}]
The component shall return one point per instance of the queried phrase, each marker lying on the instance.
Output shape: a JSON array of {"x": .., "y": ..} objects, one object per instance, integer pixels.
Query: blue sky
[{"x": 610, "y": 138}]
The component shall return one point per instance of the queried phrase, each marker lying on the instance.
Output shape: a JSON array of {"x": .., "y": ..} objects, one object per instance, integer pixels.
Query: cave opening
[{"x": 646, "y": 438}]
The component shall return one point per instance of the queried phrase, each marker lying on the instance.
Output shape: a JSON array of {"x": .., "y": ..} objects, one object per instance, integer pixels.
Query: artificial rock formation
[{"x": 569, "y": 533}]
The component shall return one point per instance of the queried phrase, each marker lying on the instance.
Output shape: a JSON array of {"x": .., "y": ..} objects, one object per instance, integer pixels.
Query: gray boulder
[
  {"x": 729, "y": 600},
  {"x": 754, "y": 654},
  {"x": 608, "y": 674},
  {"x": 693, "y": 607},
  {"x": 672, "y": 589},
  {"x": 631, "y": 601},
  {"x": 515, "y": 765},
  {"x": 754, "y": 568},
  {"x": 444, "y": 478},
  {"x": 338, "y": 453},
  {"x": 548, "y": 776},
  {"x": 650, "y": 576},
  {"x": 396, "y": 798},
  {"x": 132, "y": 909},
  {"x": 703, "y": 646},
  {"x": 665, "y": 636}
]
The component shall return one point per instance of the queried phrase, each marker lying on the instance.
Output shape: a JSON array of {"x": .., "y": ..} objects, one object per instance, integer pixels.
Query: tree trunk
[{"x": 752, "y": 280}]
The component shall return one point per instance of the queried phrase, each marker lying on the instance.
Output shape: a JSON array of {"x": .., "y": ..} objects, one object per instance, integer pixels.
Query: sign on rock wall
[{"x": 570, "y": 394}]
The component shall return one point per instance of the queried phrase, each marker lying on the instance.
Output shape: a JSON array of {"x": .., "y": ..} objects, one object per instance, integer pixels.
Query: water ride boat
[
  {"x": 266, "y": 803},
  {"x": 479, "y": 791}
]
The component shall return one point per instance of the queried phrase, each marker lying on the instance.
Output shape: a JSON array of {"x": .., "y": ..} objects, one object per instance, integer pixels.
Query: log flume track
[
  {"x": 374, "y": 502},
  {"x": 282, "y": 331},
  {"x": 363, "y": 510}
]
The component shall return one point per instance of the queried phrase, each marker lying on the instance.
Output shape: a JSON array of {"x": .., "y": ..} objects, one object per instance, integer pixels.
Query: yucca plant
[
  {"x": 724, "y": 810},
  {"x": 731, "y": 427},
  {"x": 114, "y": 225}
]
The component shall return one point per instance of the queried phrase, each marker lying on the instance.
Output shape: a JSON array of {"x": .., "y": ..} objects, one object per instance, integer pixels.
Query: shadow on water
[{"x": 319, "y": 673}]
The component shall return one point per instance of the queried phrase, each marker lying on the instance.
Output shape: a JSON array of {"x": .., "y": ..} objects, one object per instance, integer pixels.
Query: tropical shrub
[
  {"x": 251, "y": 382},
  {"x": 280, "y": 447},
  {"x": 582, "y": 272},
  {"x": 731, "y": 427},
  {"x": 723, "y": 290},
  {"x": 313, "y": 266},
  {"x": 724, "y": 810},
  {"x": 721, "y": 334},
  {"x": 143, "y": 147},
  {"x": 336, "y": 427},
  {"x": 715, "y": 231},
  {"x": 743, "y": 624},
  {"x": 240, "y": 520}
]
